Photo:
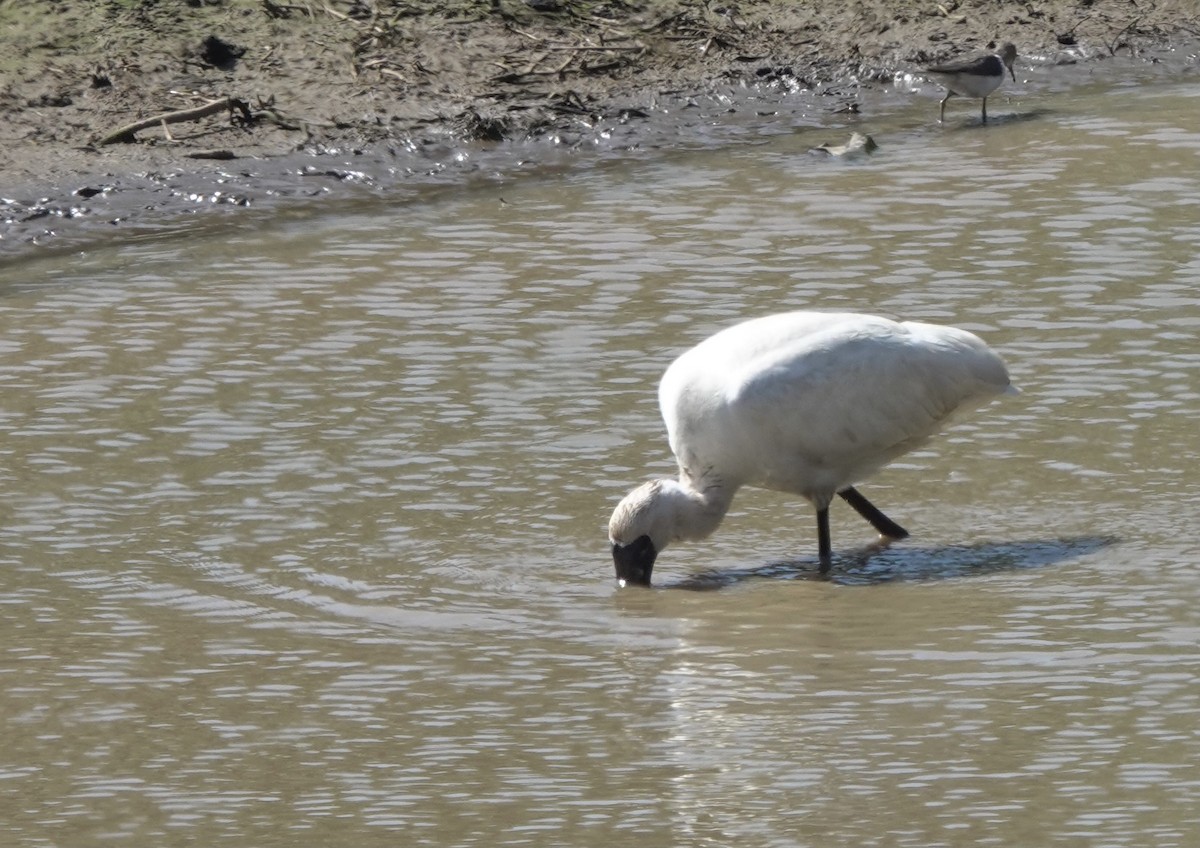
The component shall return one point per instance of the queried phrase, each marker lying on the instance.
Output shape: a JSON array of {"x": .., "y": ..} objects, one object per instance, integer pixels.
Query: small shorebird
[
  {"x": 807, "y": 403},
  {"x": 975, "y": 76}
]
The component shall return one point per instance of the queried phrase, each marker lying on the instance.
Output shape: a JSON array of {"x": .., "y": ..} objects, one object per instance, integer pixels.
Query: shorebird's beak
[
  {"x": 1012, "y": 73},
  {"x": 634, "y": 561}
]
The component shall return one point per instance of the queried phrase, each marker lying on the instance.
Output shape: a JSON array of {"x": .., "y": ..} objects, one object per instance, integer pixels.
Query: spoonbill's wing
[{"x": 862, "y": 394}]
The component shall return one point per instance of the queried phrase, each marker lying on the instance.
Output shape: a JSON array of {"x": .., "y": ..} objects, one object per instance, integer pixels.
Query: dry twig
[{"x": 128, "y": 132}]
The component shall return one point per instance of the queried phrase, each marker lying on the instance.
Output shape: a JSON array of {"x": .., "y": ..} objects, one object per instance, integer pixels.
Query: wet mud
[{"x": 130, "y": 117}]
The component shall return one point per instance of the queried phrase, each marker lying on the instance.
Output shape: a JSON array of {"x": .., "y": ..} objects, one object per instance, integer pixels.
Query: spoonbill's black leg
[
  {"x": 867, "y": 510},
  {"x": 824, "y": 546}
]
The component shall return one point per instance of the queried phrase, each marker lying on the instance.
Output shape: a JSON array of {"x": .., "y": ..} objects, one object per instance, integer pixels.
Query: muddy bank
[{"x": 130, "y": 115}]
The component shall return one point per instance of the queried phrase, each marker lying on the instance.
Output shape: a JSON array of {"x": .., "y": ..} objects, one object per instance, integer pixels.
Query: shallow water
[{"x": 303, "y": 534}]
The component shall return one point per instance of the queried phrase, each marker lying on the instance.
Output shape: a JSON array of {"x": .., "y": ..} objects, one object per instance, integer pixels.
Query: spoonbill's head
[{"x": 641, "y": 526}]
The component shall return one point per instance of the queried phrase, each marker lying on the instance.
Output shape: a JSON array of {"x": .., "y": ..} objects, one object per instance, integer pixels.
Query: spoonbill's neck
[{"x": 699, "y": 509}]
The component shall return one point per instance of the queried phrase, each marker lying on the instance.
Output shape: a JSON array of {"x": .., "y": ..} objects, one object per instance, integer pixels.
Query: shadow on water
[
  {"x": 974, "y": 122},
  {"x": 884, "y": 563}
]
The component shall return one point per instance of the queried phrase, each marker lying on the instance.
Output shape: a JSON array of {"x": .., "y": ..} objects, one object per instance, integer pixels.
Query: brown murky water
[{"x": 303, "y": 527}]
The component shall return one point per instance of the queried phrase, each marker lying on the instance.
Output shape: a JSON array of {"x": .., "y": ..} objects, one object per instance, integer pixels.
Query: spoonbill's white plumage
[{"x": 808, "y": 403}]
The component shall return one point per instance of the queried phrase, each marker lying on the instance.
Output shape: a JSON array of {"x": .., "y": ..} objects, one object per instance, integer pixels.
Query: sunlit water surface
[{"x": 303, "y": 533}]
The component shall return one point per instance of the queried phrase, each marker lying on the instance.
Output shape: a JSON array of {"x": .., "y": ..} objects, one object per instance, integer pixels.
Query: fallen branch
[
  {"x": 1114, "y": 44},
  {"x": 127, "y": 134}
]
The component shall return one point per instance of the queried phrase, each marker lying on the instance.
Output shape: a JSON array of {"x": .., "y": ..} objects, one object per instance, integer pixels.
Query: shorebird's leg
[
  {"x": 824, "y": 546},
  {"x": 942, "y": 114},
  {"x": 869, "y": 511},
  {"x": 985, "y": 110}
]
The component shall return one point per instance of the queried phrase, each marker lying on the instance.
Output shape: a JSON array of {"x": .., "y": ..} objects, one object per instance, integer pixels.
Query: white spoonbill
[{"x": 808, "y": 403}]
